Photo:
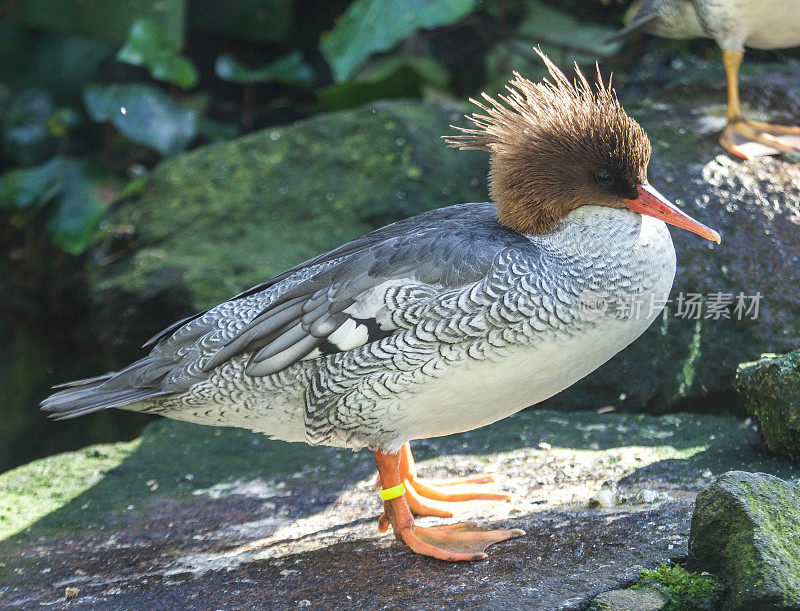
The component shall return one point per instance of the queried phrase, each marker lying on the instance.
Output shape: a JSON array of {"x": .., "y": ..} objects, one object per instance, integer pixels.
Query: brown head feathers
[{"x": 556, "y": 146}]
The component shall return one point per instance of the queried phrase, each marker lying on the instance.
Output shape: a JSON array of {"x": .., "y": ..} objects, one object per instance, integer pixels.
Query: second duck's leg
[
  {"x": 744, "y": 138},
  {"x": 426, "y": 498},
  {"x": 454, "y": 542}
]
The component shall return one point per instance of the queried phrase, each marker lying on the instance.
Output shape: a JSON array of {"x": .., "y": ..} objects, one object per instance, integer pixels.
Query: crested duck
[{"x": 440, "y": 323}]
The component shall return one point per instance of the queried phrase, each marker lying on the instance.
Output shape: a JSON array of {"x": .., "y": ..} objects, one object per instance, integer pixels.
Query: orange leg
[
  {"x": 745, "y": 138},
  {"x": 419, "y": 492},
  {"x": 454, "y": 542}
]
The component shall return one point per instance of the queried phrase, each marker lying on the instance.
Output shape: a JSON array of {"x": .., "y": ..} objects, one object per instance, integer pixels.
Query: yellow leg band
[{"x": 387, "y": 494}]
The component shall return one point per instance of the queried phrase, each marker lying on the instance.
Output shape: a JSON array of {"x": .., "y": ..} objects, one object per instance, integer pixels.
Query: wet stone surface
[{"x": 193, "y": 516}]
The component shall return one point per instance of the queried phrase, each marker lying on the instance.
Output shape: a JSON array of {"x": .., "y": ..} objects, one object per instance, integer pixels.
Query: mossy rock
[
  {"x": 746, "y": 530},
  {"x": 684, "y": 590},
  {"x": 770, "y": 387},
  {"x": 231, "y": 215}
]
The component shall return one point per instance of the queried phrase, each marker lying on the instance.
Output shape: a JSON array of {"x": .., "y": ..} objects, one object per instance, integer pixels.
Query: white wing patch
[{"x": 350, "y": 335}]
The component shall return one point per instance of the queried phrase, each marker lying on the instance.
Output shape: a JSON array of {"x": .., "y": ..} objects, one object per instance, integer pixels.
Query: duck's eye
[{"x": 604, "y": 177}]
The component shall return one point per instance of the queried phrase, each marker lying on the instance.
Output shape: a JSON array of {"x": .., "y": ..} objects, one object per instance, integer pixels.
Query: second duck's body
[{"x": 733, "y": 24}]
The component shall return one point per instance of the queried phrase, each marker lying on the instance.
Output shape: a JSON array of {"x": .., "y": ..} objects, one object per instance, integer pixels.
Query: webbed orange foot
[
  {"x": 750, "y": 139},
  {"x": 455, "y": 542},
  {"x": 427, "y": 498}
]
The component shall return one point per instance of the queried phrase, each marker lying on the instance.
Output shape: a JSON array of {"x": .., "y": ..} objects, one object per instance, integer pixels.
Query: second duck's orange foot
[{"x": 750, "y": 139}]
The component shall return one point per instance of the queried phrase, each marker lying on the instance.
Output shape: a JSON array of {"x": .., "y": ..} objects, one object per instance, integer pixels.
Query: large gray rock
[
  {"x": 746, "y": 530},
  {"x": 770, "y": 387}
]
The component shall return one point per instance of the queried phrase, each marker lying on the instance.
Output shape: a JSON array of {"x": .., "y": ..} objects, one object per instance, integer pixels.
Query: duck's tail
[
  {"x": 83, "y": 397},
  {"x": 641, "y": 19}
]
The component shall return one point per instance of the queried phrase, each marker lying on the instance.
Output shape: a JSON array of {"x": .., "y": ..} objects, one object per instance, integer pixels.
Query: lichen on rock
[
  {"x": 666, "y": 587},
  {"x": 629, "y": 599}
]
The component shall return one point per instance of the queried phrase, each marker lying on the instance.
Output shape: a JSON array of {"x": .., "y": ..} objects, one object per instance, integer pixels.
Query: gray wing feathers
[
  {"x": 138, "y": 381},
  {"x": 259, "y": 332},
  {"x": 313, "y": 313},
  {"x": 86, "y": 381},
  {"x": 292, "y": 346},
  {"x": 332, "y": 303}
]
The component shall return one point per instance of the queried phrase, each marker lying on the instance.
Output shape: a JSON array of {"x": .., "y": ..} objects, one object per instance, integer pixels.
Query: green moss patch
[
  {"x": 686, "y": 590},
  {"x": 33, "y": 491},
  {"x": 102, "y": 485}
]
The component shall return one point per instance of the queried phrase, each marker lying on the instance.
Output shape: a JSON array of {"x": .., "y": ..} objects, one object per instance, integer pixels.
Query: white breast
[
  {"x": 477, "y": 393},
  {"x": 760, "y": 24}
]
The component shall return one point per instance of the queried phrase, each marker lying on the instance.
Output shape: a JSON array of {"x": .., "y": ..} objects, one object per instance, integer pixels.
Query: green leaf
[
  {"x": 150, "y": 46},
  {"x": 146, "y": 37},
  {"x": 370, "y": 26},
  {"x": 63, "y": 189},
  {"x": 104, "y": 19},
  {"x": 63, "y": 63},
  {"x": 144, "y": 114},
  {"x": 427, "y": 69},
  {"x": 77, "y": 210},
  {"x": 174, "y": 69},
  {"x": 291, "y": 69},
  {"x": 396, "y": 76},
  {"x": 29, "y": 189},
  {"x": 24, "y": 135}
]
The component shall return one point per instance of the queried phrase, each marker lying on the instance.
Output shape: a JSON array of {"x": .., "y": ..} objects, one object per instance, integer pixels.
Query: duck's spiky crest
[{"x": 536, "y": 126}]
